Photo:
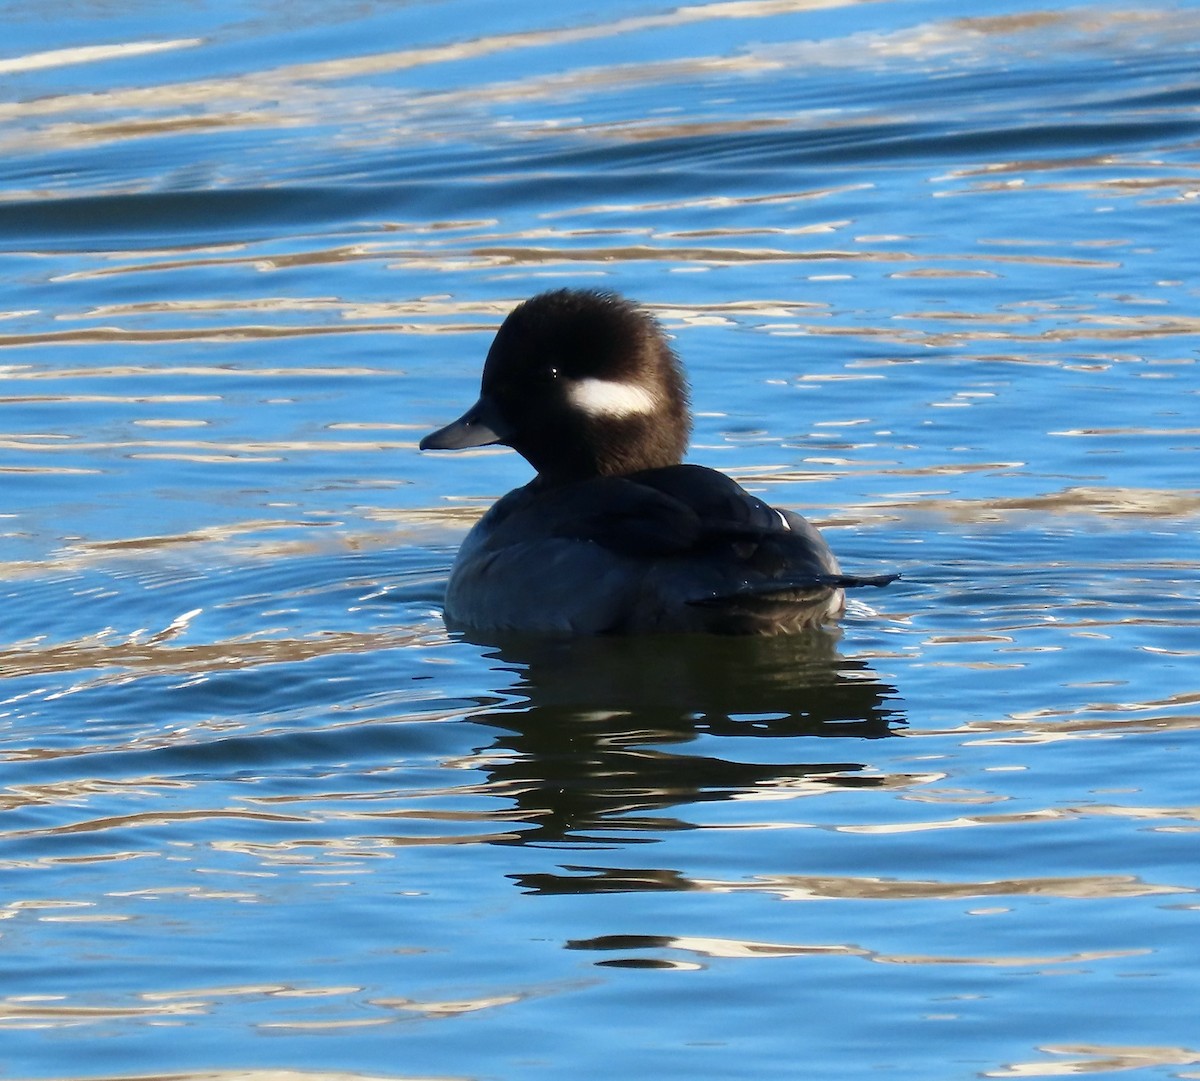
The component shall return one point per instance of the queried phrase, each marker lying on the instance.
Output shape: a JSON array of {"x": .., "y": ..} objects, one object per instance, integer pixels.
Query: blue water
[{"x": 933, "y": 271}]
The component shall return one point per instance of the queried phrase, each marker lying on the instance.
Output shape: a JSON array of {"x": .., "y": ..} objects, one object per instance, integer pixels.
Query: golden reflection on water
[
  {"x": 743, "y": 949},
  {"x": 1050, "y": 814},
  {"x": 19, "y": 1012},
  {"x": 448, "y": 1009},
  {"x": 253, "y": 1074},
  {"x": 1102, "y": 502},
  {"x": 814, "y": 887},
  {"x": 88, "y": 54},
  {"x": 114, "y": 662},
  {"x": 710, "y": 202},
  {"x": 268, "y": 86},
  {"x": 46, "y": 1011},
  {"x": 232, "y": 333},
  {"x": 139, "y": 372},
  {"x": 303, "y": 94},
  {"x": 1088, "y": 1058},
  {"x": 420, "y": 316}
]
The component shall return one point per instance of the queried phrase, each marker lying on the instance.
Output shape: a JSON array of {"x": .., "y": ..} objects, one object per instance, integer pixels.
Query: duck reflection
[{"x": 593, "y": 732}]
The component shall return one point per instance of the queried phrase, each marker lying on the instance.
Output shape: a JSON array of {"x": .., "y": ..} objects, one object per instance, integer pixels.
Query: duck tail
[{"x": 798, "y": 589}]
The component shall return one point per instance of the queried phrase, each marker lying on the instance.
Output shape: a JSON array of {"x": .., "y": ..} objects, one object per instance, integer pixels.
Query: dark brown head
[{"x": 581, "y": 384}]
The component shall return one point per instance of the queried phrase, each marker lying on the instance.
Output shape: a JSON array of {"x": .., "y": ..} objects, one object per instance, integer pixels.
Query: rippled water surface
[{"x": 934, "y": 271}]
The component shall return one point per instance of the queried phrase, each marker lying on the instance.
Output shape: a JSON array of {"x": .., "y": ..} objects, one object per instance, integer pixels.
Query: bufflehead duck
[{"x": 614, "y": 534}]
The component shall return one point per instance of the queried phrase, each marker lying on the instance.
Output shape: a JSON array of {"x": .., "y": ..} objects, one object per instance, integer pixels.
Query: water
[{"x": 933, "y": 271}]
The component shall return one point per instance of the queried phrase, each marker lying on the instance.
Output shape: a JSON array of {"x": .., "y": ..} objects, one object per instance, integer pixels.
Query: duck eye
[{"x": 550, "y": 373}]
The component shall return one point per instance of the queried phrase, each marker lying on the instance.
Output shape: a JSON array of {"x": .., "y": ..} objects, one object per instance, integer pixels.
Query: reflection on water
[
  {"x": 597, "y": 731},
  {"x": 781, "y": 686}
]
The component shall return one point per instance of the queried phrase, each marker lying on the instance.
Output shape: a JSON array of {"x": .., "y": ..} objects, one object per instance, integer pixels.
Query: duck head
[{"x": 581, "y": 384}]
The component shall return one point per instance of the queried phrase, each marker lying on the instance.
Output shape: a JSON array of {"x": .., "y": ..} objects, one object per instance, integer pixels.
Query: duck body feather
[{"x": 679, "y": 548}]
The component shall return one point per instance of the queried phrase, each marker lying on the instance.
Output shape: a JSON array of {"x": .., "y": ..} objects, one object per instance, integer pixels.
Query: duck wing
[
  {"x": 692, "y": 510},
  {"x": 682, "y": 548}
]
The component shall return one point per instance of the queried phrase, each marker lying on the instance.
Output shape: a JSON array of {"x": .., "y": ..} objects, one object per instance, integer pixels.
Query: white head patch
[{"x": 610, "y": 398}]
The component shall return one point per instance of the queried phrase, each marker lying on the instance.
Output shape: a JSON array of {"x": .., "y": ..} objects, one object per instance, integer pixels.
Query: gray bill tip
[{"x": 479, "y": 426}]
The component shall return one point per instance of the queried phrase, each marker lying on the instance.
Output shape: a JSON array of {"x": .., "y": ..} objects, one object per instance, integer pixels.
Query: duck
[{"x": 616, "y": 534}]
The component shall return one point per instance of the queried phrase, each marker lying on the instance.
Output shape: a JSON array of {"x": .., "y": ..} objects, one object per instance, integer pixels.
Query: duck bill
[{"x": 479, "y": 426}]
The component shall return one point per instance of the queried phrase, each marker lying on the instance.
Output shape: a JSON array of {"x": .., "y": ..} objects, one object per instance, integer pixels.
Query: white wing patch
[{"x": 610, "y": 398}]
